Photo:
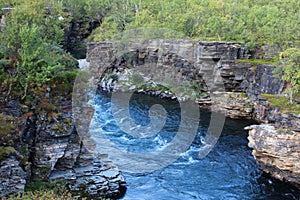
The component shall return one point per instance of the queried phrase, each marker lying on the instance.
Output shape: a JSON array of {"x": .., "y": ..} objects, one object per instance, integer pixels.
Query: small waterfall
[{"x": 83, "y": 64}]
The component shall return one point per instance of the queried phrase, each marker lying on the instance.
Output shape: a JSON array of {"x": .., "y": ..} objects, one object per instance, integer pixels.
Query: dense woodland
[
  {"x": 32, "y": 38},
  {"x": 33, "y": 49}
]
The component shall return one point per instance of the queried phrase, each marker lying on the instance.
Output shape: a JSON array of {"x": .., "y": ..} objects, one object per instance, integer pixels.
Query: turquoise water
[{"x": 229, "y": 171}]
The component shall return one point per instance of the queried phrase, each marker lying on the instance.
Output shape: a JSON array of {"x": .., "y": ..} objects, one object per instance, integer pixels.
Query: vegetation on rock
[
  {"x": 283, "y": 103},
  {"x": 44, "y": 190},
  {"x": 291, "y": 70}
]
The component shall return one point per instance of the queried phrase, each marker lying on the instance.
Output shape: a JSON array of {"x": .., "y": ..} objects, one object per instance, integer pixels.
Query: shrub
[
  {"x": 5, "y": 152},
  {"x": 282, "y": 102}
]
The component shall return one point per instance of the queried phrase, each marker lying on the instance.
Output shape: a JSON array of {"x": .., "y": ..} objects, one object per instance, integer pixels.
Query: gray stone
[
  {"x": 12, "y": 176},
  {"x": 276, "y": 151}
]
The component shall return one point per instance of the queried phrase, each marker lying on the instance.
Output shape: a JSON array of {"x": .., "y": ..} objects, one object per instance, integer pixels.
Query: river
[{"x": 228, "y": 172}]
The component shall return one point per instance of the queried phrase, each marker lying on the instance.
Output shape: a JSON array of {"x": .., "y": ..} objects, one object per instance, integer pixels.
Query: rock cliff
[
  {"x": 220, "y": 81},
  {"x": 13, "y": 177},
  {"x": 277, "y": 151},
  {"x": 50, "y": 149},
  {"x": 57, "y": 152}
]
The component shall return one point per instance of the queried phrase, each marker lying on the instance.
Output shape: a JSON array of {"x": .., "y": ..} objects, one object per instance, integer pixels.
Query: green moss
[
  {"x": 112, "y": 76},
  {"x": 136, "y": 79},
  {"x": 5, "y": 152},
  {"x": 200, "y": 95},
  {"x": 9, "y": 130},
  {"x": 258, "y": 61},
  {"x": 39, "y": 184},
  {"x": 62, "y": 127},
  {"x": 40, "y": 176},
  {"x": 49, "y": 107},
  {"x": 283, "y": 103},
  {"x": 59, "y": 128},
  {"x": 42, "y": 194},
  {"x": 244, "y": 95},
  {"x": 39, "y": 189},
  {"x": 68, "y": 121}
]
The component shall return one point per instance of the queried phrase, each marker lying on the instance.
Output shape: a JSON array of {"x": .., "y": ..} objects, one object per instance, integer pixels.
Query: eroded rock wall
[
  {"x": 277, "y": 151},
  {"x": 215, "y": 63},
  {"x": 57, "y": 153},
  {"x": 208, "y": 67},
  {"x": 12, "y": 176},
  {"x": 50, "y": 149},
  {"x": 212, "y": 62},
  {"x": 215, "y": 67}
]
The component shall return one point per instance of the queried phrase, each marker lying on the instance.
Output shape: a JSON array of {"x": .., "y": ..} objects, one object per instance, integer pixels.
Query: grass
[
  {"x": 40, "y": 190},
  {"x": 41, "y": 195},
  {"x": 9, "y": 130},
  {"x": 283, "y": 103},
  {"x": 5, "y": 152},
  {"x": 258, "y": 61}
]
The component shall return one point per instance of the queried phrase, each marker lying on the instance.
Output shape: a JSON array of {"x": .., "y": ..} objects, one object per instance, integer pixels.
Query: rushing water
[{"x": 228, "y": 172}]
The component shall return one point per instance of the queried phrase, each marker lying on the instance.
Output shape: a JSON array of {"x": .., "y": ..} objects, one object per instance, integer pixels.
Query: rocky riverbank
[
  {"x": 275, "y": 142},
  {"x": 277, "y": 151},
  {"x": 47, "y": 148},
  {"x": 211, "y": 74}
]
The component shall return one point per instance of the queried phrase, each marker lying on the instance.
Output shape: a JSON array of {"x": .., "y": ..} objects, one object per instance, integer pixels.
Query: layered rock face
[
  {"x": 213, "y": 66},
  {"x": 57, "y": 153},
  {"x": 51, "y": 149},
  {"x": 276, "y": 142},
  {"x": 12, "y": 176},
  {"x": 277, "y": 152},
  {"x": 207, "y": 70}
]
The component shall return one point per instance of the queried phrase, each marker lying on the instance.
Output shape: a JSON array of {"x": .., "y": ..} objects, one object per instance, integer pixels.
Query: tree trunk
[
  {"x": 291, "y": 94},
  {"x": 9, "y": 91},
  {"x": 25, "y": 92}
]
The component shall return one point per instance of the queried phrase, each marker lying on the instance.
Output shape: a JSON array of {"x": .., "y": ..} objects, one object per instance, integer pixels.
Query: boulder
[
  {"x": 12, "y": 176},
  {"x": 276, "y": 151}
]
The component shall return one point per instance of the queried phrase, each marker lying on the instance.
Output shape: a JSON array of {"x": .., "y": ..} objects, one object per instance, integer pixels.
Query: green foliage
[
  {"x": 5, "y": 152},
  {"x": 44, "y": 15},
  {"x": 31, "y": 43},
  {"x": 136, "y": 79},
  {"x": 157, "y": 87},
  {"x": 9, "y": 130},
  {"x": 252, "y": 22},
  {"x": 34, "y": 63},
  {"x": 62, "y": 83},
  {"x": 258, "y": 61},
  {"x": 44, "y": 190},
  {"x": 79, "y": 9},
  {"x": 41, "y": 195},
  {"x": 292, "y": 68},
  {"x": 283, "y": 103},
  {"x": 290, "y": 72}
]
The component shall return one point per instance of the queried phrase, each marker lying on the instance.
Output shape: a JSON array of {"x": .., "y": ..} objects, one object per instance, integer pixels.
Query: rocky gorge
[
  {"x": 208, "y": 72},
  {"x": 222, "y": 83}
]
